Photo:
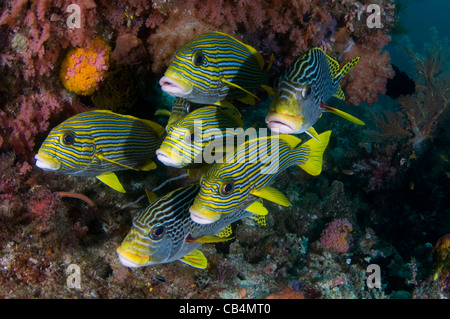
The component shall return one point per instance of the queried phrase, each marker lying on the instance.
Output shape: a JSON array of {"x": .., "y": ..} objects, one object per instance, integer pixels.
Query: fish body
[
  {"x": 308, "y": 82},
  {"x": 251, "y": 170},
  {"x": 213, "y": 67},
  {"x": 191, "y": 135},
  {"x": 98, "y": 143},
  {"x": 164, "y": 232}
]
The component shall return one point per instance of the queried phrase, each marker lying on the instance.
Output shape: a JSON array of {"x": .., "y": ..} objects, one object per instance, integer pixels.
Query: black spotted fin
[
  {"x": 195, "y": 259},
  {"x": 110, "y": 179}
]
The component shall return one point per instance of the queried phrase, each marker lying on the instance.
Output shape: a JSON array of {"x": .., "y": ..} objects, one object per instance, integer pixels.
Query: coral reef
[{"x": 337, "y": 235}]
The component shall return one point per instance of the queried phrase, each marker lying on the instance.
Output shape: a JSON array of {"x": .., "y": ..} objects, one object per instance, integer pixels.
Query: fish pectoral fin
[
  {"x": 342, "y": 114},
  {"x": 238, "y": 87},
  {"x": 112, "y": 181},
  {"x": 313, "y": 164},
  {"x": 150, "y": 196},
  {"x": 103, "y": 158},
  {"x": 257, "y": 208},
  {"x": 248, "y": 99},
  {"x": 148, "y": 166},
  {"x": 270, "y": 91},
  {"x": 272, "y": 194},
  {"x": 195, "y": 259},
  {"x": 312, "y": 132},
  {"x": 225, "y": 232},
  {"x": 163, "y": 112}
]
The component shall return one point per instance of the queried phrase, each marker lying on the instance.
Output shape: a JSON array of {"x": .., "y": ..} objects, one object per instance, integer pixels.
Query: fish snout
[
  {"x": 201, "y": 215},
  {"x": 129, "y": 259},
  {"x": 285, "y": 124},
  {"x": 46, "y": 162},
  {"x": 174, "y": 86},
  {"x": 169, "y": 158}
]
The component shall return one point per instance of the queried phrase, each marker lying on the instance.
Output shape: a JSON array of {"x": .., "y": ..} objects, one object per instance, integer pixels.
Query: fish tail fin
[{"x": 314, "y": 149}]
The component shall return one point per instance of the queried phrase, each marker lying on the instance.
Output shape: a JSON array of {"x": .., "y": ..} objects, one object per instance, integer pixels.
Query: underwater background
[{"x": 381, "y": 198}]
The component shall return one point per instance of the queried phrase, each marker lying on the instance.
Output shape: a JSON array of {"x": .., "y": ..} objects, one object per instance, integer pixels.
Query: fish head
[
  {"x": 193, "y": 73},
  {"x": 66, "y": 150},
  {"x": 217, "y": 196},
  {"x": 145, "y": 246},
  {"x": 293, "y": 108},
  {"x": 189, "y": 139}
]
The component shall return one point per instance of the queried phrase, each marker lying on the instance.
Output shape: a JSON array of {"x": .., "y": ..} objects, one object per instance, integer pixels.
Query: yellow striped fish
[
  {"x": 308, "y": 83},
  {"x": 213, "y": 67},
  {"x": 249, "y": 172},
  {"x": 164, "y": 231},
  {"x": 189, "y": 139},
  {"x": 97, "y": 143}
]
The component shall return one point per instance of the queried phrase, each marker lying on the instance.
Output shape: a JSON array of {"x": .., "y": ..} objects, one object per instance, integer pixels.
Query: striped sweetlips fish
[
  {"x": 164, "y": 231},
  {"x": 251, "y": 170},
  {"x": 308, "y": 83},
  {"x": 213, "y": 67},
  {"x": 193, "y": 140},
  {"x": 97, "y": 143}
]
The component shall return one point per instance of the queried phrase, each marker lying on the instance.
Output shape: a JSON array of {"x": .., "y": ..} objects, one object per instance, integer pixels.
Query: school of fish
[{"x": 205, "y": 134}]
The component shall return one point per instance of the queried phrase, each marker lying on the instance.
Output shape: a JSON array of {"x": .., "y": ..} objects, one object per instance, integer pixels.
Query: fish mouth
[
  {"x": 203, "y": 216},
  {"x": 46, "y": 162},
  {"x": 285, "y": 124},
  {"x": 172, "y": 84},
  {"x": 132, "y": 260},
  {"x": 168, "y": 159}
]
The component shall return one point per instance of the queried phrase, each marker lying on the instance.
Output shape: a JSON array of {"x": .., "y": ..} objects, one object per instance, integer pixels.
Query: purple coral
[{"x": 337, "y": 235}]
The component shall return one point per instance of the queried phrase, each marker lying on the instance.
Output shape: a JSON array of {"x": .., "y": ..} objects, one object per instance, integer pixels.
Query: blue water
[{"x": 417, "y": 16}]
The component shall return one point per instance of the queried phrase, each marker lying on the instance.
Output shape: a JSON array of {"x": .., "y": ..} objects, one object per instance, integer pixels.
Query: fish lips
[
  {"x": 131, "y": 260},
  {"x": 168, "y": 159},
  {"x": 285, "y": 124},
  {"x": 175, "y": 86},
  {"x": 47, "y": 162},
  {"x": 202, "y": 216}
]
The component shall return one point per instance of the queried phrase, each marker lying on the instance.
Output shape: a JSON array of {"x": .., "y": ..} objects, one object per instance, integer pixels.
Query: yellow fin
[
  {"x": 195, "y": 259},
  {"x": 272, "y": 195},
  {"x": 112, "y": 181},
  {"x": 257, "y": 208},
  {"x": 148, "y": 166},
  {"x": 292, "y": 140},
  {"x": 207, "y": 239},
  {"x": 259, "y": 219},
  {"x": 313, "y": 165},
  {"x": 312, "y": 132},
  {"x": 158, "y": 128},
  {"x": 248, "y": 99},
  {"x": 258, "y": 56},
  {"x": 162, "y": 112},
  {"x": 343, "y": 114},
  {"x": 196, "y": 173},
  {"x": 346, "y": 68},
  {"x": 340, "y": 94},
  {"x": 103, "y": 158},
  {"x": 226, "y": 232},
  {"x": 151, "y": 196},
  {"x": 238, "y": 87},
  {"x": 270, "y": 91}
]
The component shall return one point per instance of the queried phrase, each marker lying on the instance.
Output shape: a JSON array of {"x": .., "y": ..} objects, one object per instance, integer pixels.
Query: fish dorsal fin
[
  {"x": 110, "y": 179},
  {"x": 195, "y": 259},
  {"x": 345, "y": 69},
  {"x": 292, "y": 140},
  {"x": 340, "y": 94},
  {"x": 313, "y": 165},
  {"x": 259, "y": 219},
  {"x": 272, "y": 194},
  {"x": 225, "y": 232},
  {"x": 257, "y": 208},
  {"x": 333, "y": 65},
  {"x": 343, "y": 114},
  {"x": 150, "y": 196},
  {"x": 258, "y": 56}
]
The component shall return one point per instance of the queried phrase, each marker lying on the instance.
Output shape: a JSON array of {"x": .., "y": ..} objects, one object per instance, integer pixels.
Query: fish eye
[
  {"x": 68, "y": 138},
  {"x": 158, "y": 232},
  {"x": 307, "y": 92},
  {"x": 226, "y": 188},
  {"x": 198, "y": 58}
]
